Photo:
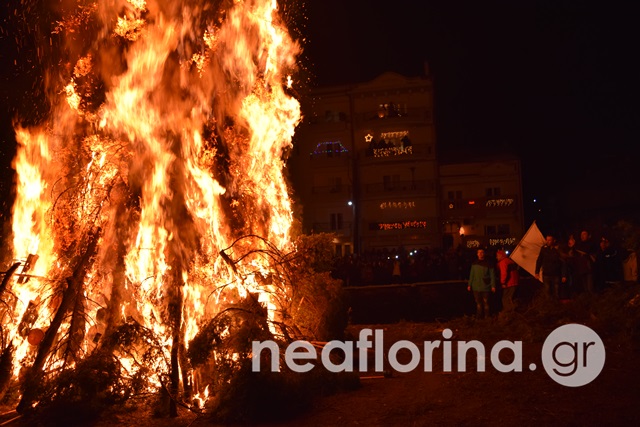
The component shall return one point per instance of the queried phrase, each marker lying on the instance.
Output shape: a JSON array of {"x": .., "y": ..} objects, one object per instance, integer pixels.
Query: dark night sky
[{"x": 553, "y": 81}]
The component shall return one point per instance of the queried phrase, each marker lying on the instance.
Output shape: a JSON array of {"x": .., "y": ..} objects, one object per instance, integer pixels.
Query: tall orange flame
[{"x": 169, "y": 144}]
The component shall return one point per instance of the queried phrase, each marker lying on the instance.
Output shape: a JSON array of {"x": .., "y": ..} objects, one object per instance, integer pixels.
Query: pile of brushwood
[{"x": 219, "y": 357}]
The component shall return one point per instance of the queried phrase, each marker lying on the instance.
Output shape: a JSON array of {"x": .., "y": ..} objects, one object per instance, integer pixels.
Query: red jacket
[{"x": 508, "y": 272}]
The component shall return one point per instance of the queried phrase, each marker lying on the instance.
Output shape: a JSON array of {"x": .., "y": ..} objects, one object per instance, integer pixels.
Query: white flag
[{"x": 528, "y": 249}]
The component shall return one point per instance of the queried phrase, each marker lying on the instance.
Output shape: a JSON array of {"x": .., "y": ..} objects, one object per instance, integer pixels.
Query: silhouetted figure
[
  {"x": 553, "y": 267},
  {"x": 608, "y": 265},
  {"x": 588, "y": 248}
]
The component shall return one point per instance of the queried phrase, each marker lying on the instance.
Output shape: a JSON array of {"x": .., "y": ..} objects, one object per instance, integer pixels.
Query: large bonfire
[{"x": 152, "y": 198}]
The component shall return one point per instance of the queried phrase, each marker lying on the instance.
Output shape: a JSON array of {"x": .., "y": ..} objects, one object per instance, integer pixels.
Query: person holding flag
[{"x": 553, "y": 267}]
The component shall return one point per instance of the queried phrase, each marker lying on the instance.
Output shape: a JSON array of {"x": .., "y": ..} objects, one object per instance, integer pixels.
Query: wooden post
[
  {"x": 6, "y": 368},
  {"x": 176, "y": 320}
]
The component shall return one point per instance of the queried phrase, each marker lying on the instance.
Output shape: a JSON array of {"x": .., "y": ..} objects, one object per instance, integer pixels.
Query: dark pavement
[{"x": 421, "y": 302}]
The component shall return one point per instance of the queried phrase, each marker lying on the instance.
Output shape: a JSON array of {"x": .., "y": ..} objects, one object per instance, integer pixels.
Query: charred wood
[
  {"x": 34, "y": 374},
  {"x": 6, "y": 368},
  {"x": 28, "y": 318},
  {"x": 7, "y": 277},
  {"x": 114, "y": 318},
  {"x": 31, "y": 260},
  {"x": 175, "y": 310}
]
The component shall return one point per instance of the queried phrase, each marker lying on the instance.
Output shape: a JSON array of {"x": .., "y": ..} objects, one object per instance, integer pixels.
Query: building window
[
  {"x": 335, "y": 149},
  {"x": 336, "y": 221},
  {"x": 335, "y": 116},
  {"x": 388, "y": 109},
  {"x": 493, "y": 191},
  {"x": 390, "y": 182},
  {"x": 336, "y": 184},
  {"x": 504, "y": 229},
  {"x": 497, "y": 230}
]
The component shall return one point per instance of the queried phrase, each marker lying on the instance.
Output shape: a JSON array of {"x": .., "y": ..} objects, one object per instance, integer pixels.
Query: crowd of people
[
  {"x": 566, "y": 270},
  {"x": 566, "y": 267},
  {"x": 582, "y": 264},
  {"x": 388, "y": 266}
]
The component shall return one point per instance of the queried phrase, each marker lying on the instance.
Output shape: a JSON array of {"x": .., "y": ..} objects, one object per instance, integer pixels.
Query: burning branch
[
  {"x": 7, "y": 277},
  {"x": 168, "y": 130},
  {"x": 74, "y": 287}
]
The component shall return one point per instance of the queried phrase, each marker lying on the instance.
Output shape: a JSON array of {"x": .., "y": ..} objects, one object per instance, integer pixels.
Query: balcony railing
[
  {"x": 340, "y": 122},
  {"x": 486, "y": 204},
  {"x": 323, "y": 160},
  {"x": 412, "y": 152},
  {"x": 413, "y": 114},
  {"x": 417, "y": 186},
  {"x": 332, "y": 189},
  {"x": 342, "y": 228}
]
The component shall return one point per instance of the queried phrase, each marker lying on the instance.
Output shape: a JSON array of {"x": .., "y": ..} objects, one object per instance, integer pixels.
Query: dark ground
[{"x": 529, "y": 398}]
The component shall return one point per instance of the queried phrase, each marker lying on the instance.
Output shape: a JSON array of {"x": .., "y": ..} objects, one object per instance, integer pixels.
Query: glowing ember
[{"x": 164, "y": 149}]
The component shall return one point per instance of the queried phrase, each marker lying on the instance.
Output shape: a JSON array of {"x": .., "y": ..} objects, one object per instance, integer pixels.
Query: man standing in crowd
[
  {"x": 482, "y": 282},
  {"x": 608, "y": 265},
  {"x": 587, "y": 249},
  {"x": 509, "y": 278},
  {"x": 554, "y": 270}
]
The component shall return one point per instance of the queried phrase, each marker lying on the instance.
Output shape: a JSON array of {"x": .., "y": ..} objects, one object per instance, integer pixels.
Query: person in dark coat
[
  {"x": 586, "y": 248},
  {"x": 608, "y": 265},
  {"x": 553, "y": 267}
]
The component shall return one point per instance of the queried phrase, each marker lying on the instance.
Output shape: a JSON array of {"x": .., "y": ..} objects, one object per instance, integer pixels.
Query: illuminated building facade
[
  {"x": 364, "y": 167},
  {"x": 481, "y": 201},
  {"x": 364, "y": 164}
]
